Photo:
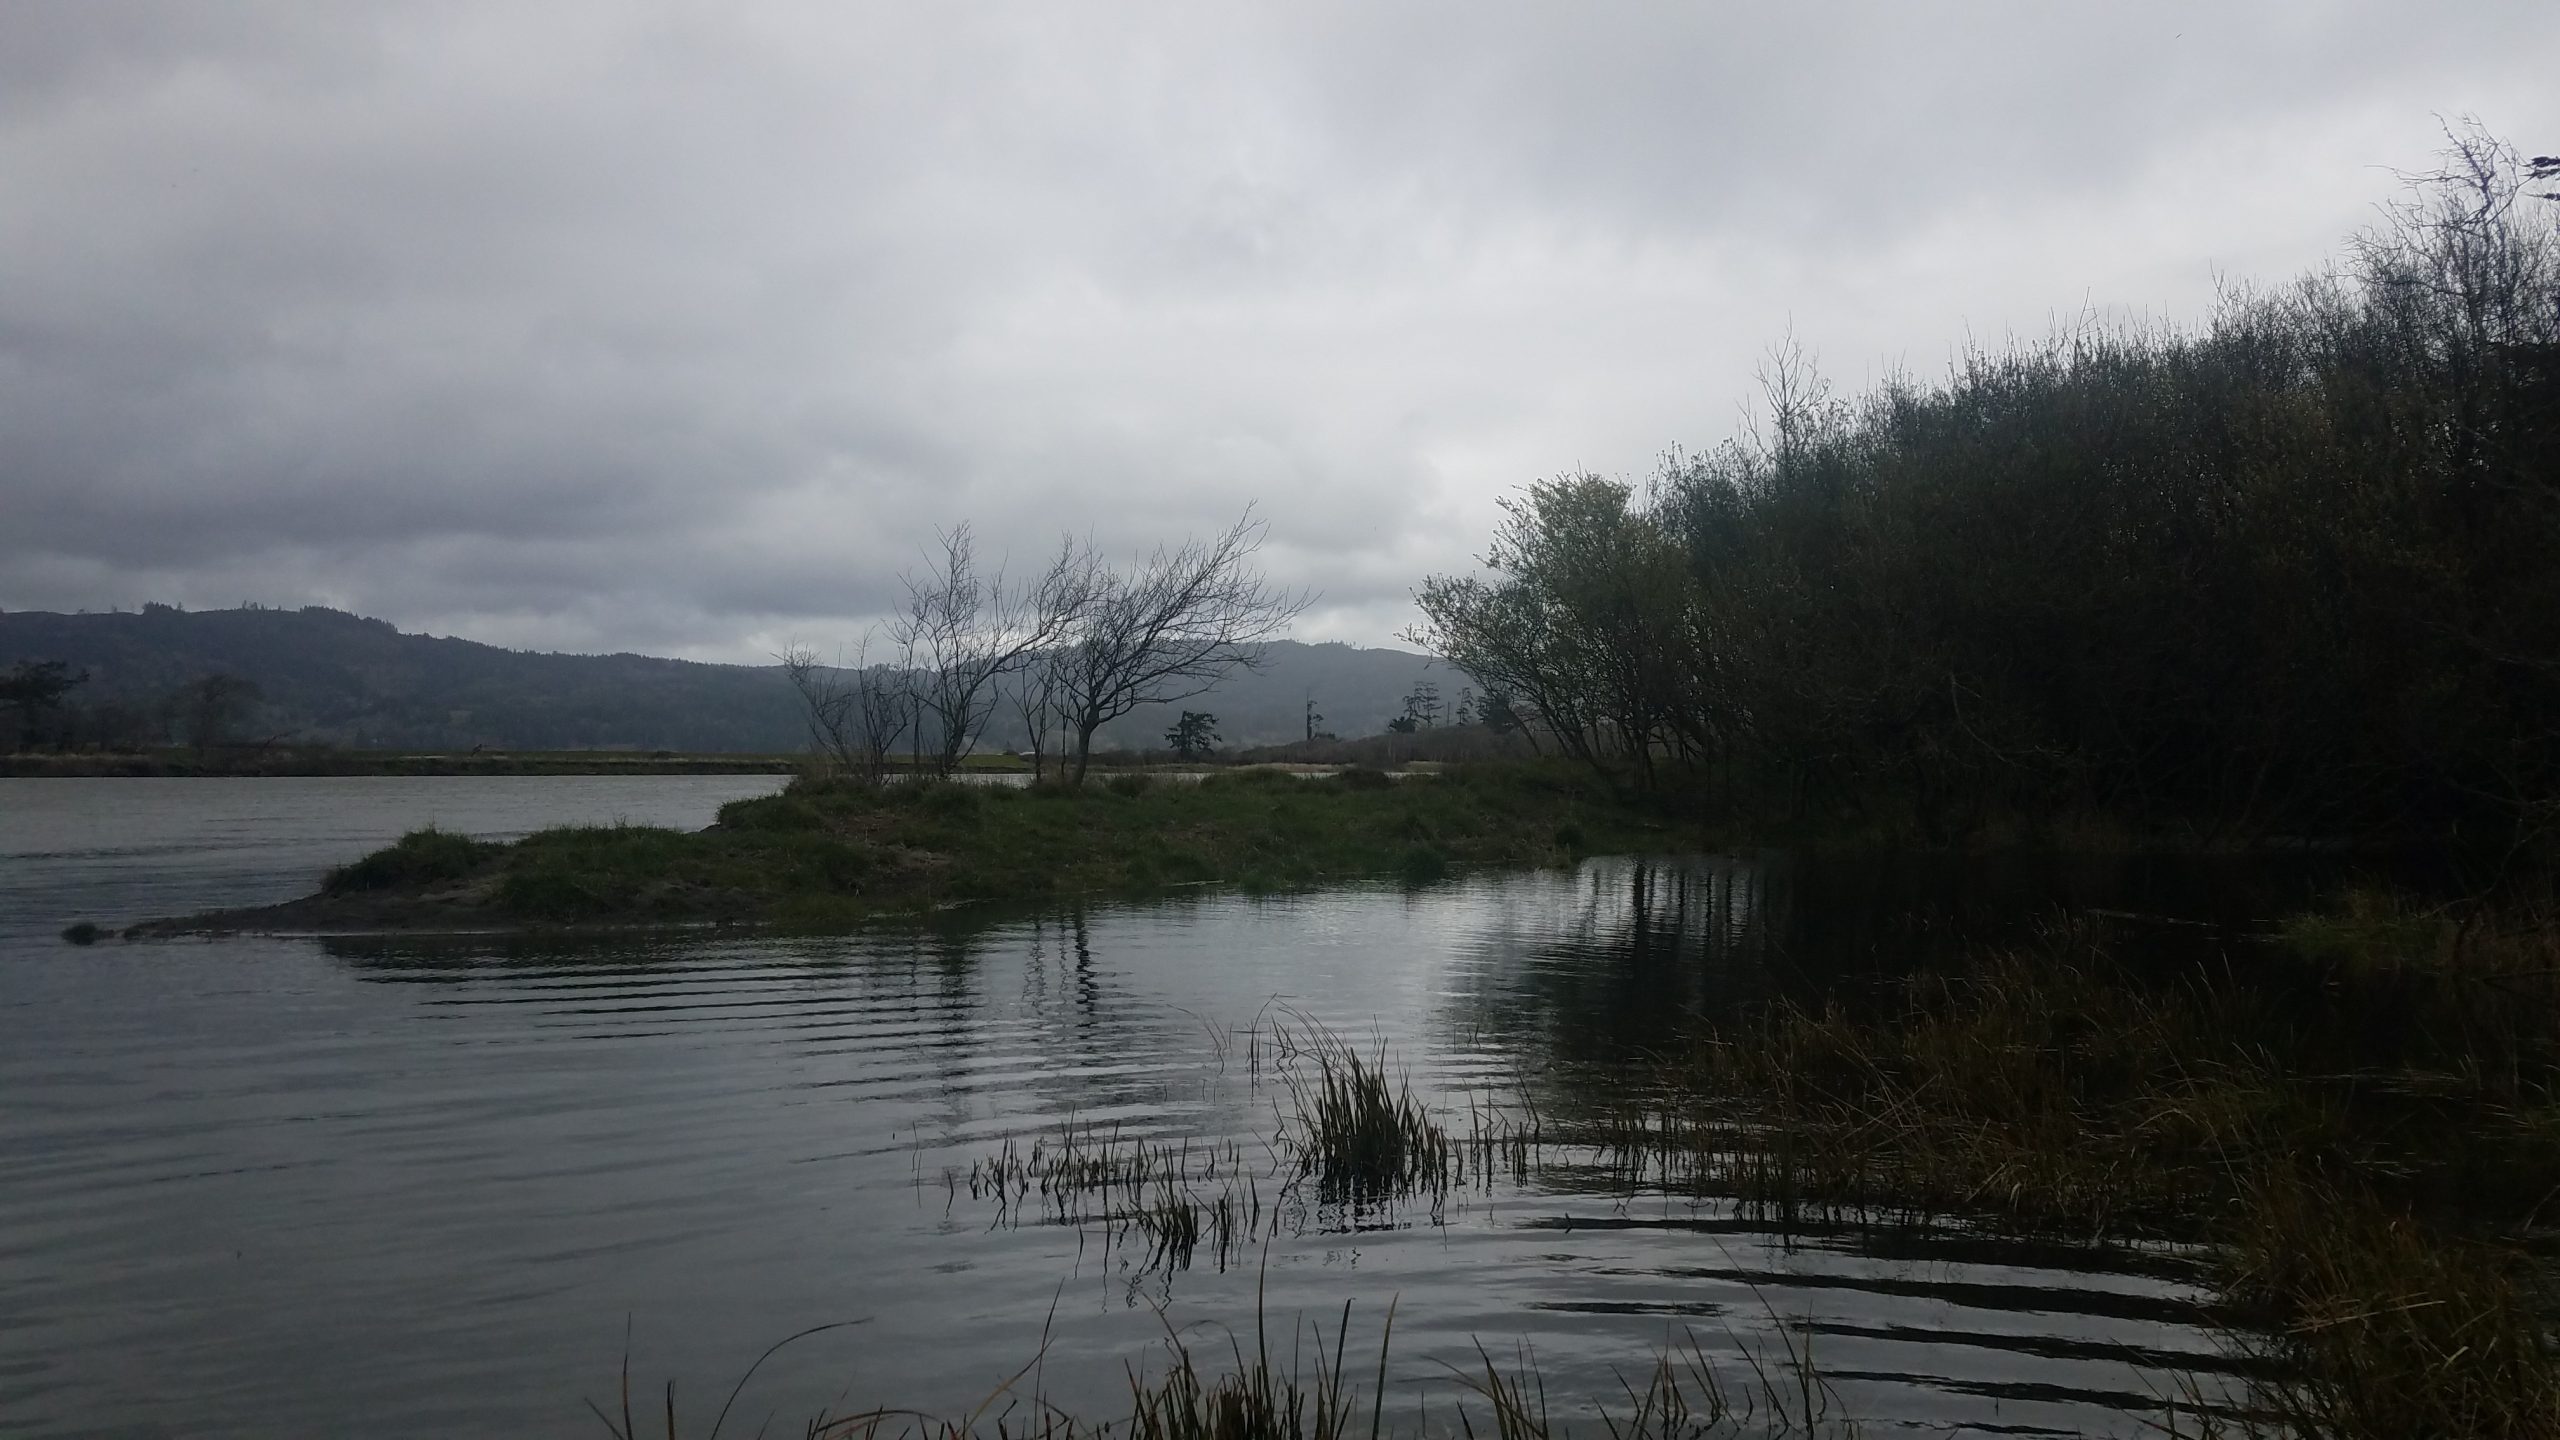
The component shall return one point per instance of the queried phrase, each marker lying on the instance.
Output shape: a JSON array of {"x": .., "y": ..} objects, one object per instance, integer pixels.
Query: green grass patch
[
  {"x": 823, "y": 853},
  {"x": 418, "y": 859}
]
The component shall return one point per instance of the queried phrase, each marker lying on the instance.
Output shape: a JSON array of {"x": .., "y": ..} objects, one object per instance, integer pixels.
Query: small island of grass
[{"x": 827, "y": 852}]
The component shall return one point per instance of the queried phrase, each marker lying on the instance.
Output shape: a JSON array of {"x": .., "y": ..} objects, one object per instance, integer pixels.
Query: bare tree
[
  {"x": 1172, "y": 627},
  {"x": 1035, "y": 699},
  {"x": 855, "y": 715},
  {"x": 965, "y": 631}
]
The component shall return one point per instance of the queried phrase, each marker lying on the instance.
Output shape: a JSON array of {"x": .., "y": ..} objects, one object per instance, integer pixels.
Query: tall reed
[{"x": 1360, "y": 1135}]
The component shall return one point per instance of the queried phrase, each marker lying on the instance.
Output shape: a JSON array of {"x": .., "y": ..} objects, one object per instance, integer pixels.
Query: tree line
[
  {"x": 41, "y": 708},
  {"x": 1075, "y": 646},
  {"x": 2298, "y": 567}
]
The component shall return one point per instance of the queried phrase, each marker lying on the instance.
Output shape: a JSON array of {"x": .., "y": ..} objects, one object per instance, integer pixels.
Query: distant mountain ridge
[{"x": 330, "y": 677}]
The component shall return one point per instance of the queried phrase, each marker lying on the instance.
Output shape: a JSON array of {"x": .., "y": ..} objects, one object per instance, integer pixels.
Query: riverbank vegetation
[
  {"x": 827, "y": 852},
  {"x": 2352, "y": 1121},
  {"x": 2359, "y": 1117},
  {"x": 2287, "y": 574}
]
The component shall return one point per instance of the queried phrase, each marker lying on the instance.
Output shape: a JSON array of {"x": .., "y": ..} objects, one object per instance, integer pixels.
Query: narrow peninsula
[{"x": 825, "y": 853}]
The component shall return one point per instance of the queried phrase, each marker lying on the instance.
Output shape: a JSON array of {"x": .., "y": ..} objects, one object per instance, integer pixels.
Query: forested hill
[{"x": 330, "y": 677}]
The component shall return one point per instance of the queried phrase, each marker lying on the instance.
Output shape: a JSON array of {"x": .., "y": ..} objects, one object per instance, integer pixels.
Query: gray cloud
[{"x": 680, "y": 329}]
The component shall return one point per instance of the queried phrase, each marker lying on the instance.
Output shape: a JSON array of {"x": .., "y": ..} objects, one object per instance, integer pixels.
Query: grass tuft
[
  {"x": 1359, "y": 1135},
  {"x": 420, "y": 858}
]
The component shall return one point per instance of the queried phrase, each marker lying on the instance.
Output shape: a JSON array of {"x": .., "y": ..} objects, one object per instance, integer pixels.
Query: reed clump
[
  {"x": 2377, "y": 1321},
  {"x": 1359, "y": 1133}
]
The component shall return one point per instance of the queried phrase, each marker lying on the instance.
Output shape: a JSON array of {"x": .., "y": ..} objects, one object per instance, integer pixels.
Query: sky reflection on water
[{"x": 259, "y": 1185}]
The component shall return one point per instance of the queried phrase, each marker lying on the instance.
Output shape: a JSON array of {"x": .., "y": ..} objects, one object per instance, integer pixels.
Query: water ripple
[{"x": 453, "y": 1168}]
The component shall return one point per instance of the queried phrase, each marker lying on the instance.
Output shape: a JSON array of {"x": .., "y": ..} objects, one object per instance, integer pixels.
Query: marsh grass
[
  {"x": 2353, "y": 1123},
  {"x": 1172, "y": 1199},
  {"x": 1356, "y": 1140},
  {"x": 2376, "y": 1323},
  {"x": 2357, "y": 1116},
  {"x": 1357, "y": 1130},
  {"x": 1314, "y": 1394}
]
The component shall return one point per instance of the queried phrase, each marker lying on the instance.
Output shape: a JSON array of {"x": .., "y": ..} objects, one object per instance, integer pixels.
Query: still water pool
[{"x": 293, "y": 1186}]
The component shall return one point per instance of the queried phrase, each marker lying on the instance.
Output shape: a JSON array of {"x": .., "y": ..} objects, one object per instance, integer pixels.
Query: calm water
[{"x": 263, "y": 1186}]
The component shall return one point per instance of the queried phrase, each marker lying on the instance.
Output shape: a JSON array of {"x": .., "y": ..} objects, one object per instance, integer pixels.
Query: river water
[{"x": 292, "y": 1186}]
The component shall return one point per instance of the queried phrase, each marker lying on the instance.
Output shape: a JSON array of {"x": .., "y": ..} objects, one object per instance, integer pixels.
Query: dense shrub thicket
[{"x": 2292, "y": 569}]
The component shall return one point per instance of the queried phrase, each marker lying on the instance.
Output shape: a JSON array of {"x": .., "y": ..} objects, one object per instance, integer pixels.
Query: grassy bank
[
  {"x": 825, "y": 853},
  {"x": 2360, "y": 1115}
]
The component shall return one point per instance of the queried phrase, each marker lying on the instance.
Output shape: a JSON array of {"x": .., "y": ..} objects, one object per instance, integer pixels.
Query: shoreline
[{"x": 820, "y": 854}]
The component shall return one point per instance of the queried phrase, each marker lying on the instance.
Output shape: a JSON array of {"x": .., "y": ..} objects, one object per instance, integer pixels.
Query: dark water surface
[{"x": 274, "y": 1186}]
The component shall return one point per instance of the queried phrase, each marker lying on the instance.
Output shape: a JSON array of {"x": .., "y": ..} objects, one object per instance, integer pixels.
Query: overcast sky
[{"x": 679, "y": 329}]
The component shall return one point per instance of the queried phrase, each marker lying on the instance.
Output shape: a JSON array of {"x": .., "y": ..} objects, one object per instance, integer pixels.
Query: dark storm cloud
[{"x": 683, "y": 328}]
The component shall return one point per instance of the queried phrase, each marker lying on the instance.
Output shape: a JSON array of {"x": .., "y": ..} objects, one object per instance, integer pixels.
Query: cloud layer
[{"x": 660, "y": 328}]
